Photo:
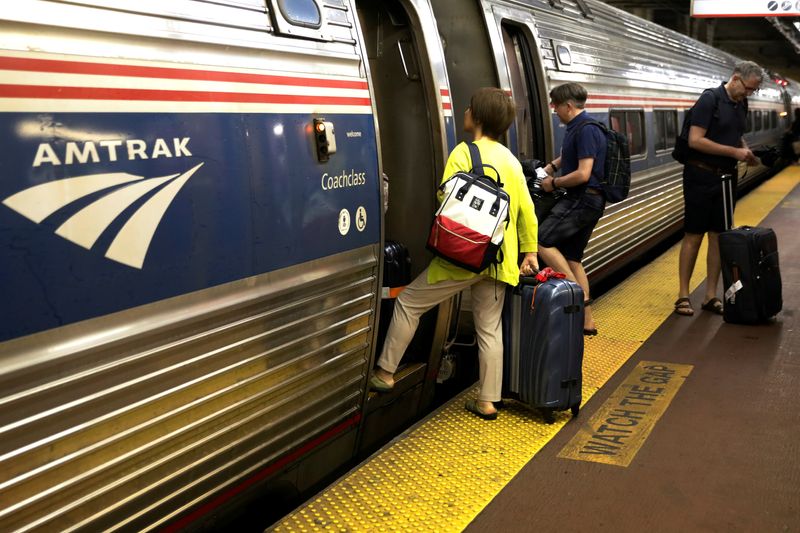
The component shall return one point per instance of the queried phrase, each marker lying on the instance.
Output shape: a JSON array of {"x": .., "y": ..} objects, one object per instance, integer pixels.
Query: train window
[
  {"x": 757, "y": 120},
  {"x": 666, "y": 129},
  {"x": 773, "y": 120},
  {"x": 301, "y": 12},
  {"x": 631, "y": 123},
  {"x": 749, "y": 125}
]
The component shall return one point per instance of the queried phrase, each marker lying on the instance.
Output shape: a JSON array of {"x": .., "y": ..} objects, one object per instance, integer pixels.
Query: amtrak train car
[{"x": 192, "y": 224}]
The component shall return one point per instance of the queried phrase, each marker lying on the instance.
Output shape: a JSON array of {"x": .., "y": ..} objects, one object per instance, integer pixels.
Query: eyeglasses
[{"x": 748, "y": 88}]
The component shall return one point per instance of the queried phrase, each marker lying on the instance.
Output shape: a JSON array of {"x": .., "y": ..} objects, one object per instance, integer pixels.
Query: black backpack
[
  {"x": 682, "y": 151},
  {"x": 617, "y": 181}
]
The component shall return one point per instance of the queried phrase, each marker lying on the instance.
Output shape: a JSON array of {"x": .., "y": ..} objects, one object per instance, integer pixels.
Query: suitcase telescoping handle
[{"x": 727, "y": 200}]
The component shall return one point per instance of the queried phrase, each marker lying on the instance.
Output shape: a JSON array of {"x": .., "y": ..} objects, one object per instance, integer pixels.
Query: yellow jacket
[{"x": 520, "y": 234}]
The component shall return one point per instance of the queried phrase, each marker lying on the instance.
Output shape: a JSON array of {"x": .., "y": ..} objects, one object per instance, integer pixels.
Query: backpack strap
[
  {"x": 595, "y": 122},
  {"x": 475, "y": 157}
]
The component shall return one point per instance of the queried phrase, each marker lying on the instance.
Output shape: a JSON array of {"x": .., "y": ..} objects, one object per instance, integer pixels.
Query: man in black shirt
[{"x": 716, "y": 145}]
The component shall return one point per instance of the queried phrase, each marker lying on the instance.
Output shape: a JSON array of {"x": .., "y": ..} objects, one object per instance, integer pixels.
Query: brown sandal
[{"x": 683, "y": 307}]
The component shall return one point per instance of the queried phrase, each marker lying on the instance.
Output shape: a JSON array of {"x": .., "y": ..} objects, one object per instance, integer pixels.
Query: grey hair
[{"x": 749, "y": 69}]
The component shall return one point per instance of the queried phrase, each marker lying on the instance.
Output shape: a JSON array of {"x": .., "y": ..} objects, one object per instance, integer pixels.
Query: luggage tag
[
  {"x": 736, "y": 286},
  {"x": 730, "y": 294}
]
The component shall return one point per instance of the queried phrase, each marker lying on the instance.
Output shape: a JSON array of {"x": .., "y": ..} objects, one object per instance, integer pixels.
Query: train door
[
  {"x": 412, "y": 125},
  {"x": 520, "y": 69}
]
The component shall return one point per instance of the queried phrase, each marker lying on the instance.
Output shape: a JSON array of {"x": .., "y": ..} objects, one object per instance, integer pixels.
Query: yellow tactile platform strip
[{"x": 442, "y": 473}]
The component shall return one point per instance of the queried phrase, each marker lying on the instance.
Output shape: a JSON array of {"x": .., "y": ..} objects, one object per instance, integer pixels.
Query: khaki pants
[{"x": 487, "y": 309}]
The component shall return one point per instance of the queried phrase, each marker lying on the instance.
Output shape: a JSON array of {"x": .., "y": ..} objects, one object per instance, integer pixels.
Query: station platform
[{"x": 711, "y": 411}]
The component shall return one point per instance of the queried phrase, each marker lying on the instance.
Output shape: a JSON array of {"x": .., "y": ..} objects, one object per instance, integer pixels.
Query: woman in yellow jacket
[{"x": 488, "y": 117}]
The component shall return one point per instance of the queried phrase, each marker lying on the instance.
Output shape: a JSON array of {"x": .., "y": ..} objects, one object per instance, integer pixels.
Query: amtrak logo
[{"x": 85, "y": 227}]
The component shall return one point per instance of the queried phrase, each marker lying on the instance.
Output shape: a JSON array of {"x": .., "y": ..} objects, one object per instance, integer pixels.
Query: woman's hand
[{"x": 530, "y": 264}]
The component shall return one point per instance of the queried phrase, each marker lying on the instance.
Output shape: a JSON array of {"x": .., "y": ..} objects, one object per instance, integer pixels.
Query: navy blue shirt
[
  {"x": 724, "y": 126},
  {"x": 588, "y": 141}
]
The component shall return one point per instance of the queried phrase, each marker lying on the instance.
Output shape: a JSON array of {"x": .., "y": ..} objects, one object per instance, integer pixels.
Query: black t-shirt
[{"x": 725, "y": 126}]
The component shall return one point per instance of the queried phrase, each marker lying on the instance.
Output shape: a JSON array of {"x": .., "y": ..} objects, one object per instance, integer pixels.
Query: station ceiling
[{"x": 772, "y": 42}]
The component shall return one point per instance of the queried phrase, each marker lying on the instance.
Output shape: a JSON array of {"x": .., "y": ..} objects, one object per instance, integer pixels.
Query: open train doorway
[
  {"x": 532, "y": 109},
  {"x": 413, "y": 152}
]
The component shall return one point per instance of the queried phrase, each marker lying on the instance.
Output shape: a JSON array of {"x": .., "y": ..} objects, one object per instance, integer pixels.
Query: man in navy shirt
[
  {"x": 716, "y": 145},
  {"x": 565, "y": 232}
]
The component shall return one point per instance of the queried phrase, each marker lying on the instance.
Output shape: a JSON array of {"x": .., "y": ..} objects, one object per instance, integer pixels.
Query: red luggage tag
[
  {"x": 542, "y": 276},
  {"x": 548, "y": 273}
]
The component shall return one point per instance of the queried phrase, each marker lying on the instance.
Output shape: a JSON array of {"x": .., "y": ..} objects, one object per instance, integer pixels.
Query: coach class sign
[
  {"x": 745, "y": 8},
  {"x": 615, "y": 433}
]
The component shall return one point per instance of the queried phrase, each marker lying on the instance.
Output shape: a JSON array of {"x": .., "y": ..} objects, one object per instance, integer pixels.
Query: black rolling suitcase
[
  {"x": 751, "y": 277},
  {"x": 396, "y": 275},
  {"x": 543, "y": 345}
]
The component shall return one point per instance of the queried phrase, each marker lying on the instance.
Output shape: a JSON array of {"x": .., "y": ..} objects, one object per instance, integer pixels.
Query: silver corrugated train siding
[{"x": 123, "y": 420}]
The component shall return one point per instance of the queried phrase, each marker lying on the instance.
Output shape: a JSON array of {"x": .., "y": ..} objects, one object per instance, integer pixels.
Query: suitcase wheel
[
  {"x": 575, "y": 409},
  {"x": 547, "y": 414}
]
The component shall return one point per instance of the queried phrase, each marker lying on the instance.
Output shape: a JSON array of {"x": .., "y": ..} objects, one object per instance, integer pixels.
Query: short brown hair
[
  {"x": 493, "y": 110},
  {"x": 569, "y": 91}
]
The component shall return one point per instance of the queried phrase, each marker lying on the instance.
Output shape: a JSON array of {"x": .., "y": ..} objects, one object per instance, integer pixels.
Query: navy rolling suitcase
[
  {"x": 543, "y": 345},
  {"x": 751, "y": 277}
]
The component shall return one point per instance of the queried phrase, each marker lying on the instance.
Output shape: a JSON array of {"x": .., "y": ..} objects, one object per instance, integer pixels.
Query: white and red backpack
[{"x": 468, "y": 227}]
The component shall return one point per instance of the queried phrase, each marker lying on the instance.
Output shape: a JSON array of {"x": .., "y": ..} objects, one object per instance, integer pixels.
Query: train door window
[
  {"x": 631, "y": 123},
  {"x": 319, "y": 20},
  {"x": 301, "y": 12},
  {"x": 757, "y": 121},
  {"x": 666, "y": 129},
  {"x": 529, "y": 126},
  {"x": 749, "y": 124},
  {"x": 773, "y": 120}
]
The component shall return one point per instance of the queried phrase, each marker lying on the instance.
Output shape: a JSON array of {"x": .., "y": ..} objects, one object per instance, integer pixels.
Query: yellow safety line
[{"x": 441, "y": 474}]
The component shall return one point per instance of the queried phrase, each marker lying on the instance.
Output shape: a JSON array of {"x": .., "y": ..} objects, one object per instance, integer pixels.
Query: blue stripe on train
[{"x": 259, "y": 202}]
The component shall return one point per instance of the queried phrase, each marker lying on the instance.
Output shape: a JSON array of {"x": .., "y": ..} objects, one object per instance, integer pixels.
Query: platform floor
[{"x": 723, "y": 456}]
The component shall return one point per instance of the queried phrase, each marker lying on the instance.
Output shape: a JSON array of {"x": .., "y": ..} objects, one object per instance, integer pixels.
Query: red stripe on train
[
  {"x": 206, "y": 508},
  {"x": 96, "y": 93},
  {"x": 639, "y": 98},
  {"x": 110, "y": 69}
]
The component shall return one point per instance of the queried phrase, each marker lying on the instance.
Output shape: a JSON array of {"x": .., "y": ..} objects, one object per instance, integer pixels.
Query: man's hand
[
  {"x": 547, "y": 184},
  {"x": 745, "y": 154},
  {"x": 530, "y": 264}
]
